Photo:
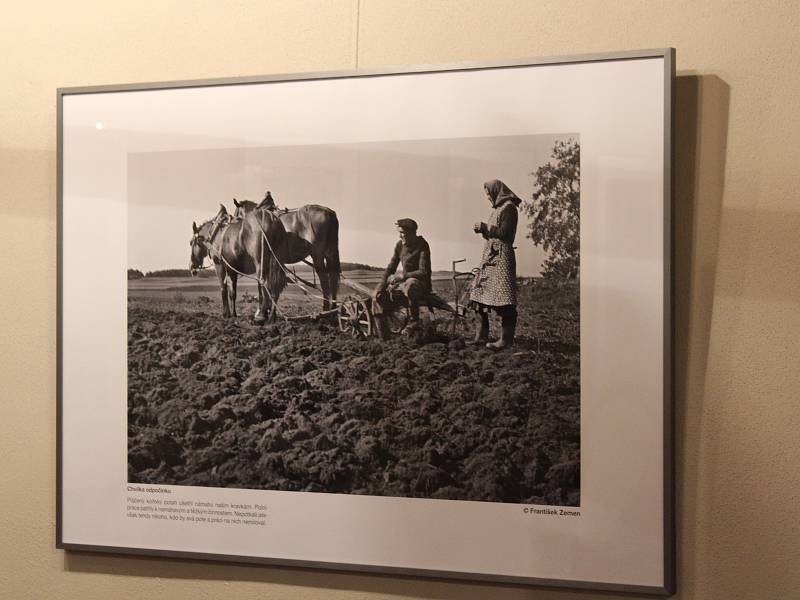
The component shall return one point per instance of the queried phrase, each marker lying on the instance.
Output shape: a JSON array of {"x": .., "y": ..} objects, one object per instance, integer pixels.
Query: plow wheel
[{"x": 355, "y": 318}]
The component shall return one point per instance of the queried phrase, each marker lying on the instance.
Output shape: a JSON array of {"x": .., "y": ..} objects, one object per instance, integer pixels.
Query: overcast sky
[{"x": 438, "y": 183}]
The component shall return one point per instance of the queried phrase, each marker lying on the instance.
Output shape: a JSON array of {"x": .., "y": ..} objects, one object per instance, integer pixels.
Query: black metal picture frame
[{"x": 85, "y": 403}]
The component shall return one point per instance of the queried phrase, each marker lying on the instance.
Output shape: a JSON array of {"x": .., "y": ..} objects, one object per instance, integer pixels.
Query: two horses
[{"x": 258, "y": 242}]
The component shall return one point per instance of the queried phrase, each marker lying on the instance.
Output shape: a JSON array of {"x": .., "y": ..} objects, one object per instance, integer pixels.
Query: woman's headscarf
[{"x": 500, "y": 194}]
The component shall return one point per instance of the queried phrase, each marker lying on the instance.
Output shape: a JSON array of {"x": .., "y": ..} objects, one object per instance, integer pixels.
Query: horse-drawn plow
[
  {"x": 275, "y": 244},
  {"x": 363, "y": 316}
]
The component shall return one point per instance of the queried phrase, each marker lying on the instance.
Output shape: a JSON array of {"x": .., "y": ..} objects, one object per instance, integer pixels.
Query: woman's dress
[{"x": 495, "y": 285}]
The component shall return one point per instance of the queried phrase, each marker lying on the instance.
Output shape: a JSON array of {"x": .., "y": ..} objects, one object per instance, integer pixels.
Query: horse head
[
  {"x": 203, "y": 236},
  {"x": 199, "y": 250}
]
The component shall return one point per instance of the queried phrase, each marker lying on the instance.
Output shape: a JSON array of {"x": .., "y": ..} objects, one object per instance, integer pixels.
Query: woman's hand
[{"x": 479, "y": 228}]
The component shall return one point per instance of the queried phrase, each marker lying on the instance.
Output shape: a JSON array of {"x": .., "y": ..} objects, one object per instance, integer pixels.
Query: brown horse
[
  {"x": 312, "y": 230},
  {"x": 251, "y": 246}
]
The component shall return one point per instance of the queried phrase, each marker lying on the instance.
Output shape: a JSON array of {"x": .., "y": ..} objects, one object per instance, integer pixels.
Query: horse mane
[{"x": 206, "y": 224}]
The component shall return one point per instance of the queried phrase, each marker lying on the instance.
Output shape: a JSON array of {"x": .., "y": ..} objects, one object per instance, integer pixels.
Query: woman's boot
[
  {"x": 482, "y": 332},
  {"x": 507, "y": 337}
]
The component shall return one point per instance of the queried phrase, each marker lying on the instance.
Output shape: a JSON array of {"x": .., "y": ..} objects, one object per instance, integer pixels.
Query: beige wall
[{"x": 738, "y": 237}]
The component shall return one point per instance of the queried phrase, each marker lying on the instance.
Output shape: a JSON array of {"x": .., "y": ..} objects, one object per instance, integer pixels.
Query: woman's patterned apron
[{"x": 495, "y": 285}]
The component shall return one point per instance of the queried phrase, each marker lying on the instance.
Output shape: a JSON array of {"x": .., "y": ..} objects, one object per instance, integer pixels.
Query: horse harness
[
  {"x": 212, "y": 250},
  {"x": 216, "y": 253}
]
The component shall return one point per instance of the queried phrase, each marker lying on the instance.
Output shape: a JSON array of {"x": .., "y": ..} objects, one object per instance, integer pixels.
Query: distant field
[{"x": 192, "y": 287}]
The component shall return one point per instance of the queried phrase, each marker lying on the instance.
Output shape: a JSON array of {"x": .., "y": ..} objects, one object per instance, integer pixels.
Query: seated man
[{"x": 413, "y": 252}]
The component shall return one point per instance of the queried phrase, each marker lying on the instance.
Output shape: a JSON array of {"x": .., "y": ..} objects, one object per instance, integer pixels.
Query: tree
[
  {"x": 554, "y": 210},
  {"x": 169, "y": 273}
]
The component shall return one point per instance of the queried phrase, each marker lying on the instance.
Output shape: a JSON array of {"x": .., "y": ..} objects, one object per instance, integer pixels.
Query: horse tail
[
  {"x": 332, "y": 256},
  {"x": 332, "y": 264},
  {"x": 276, "y": 278},
  {"x": 273, "y": 236}
]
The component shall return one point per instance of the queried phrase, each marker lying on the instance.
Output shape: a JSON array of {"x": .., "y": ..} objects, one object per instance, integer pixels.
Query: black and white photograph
[{"x": 395, "y": 318}]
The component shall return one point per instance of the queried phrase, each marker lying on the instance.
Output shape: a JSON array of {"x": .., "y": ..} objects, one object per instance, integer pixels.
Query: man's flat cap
[{"x": 407, "y": 224}]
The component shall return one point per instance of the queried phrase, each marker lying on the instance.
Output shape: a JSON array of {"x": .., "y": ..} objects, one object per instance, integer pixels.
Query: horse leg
[
  {"x": 232, "y": 293},
  {"x": 333, "y": 268},
  {"x": 261, "y": 310},
  {"x": 223, "y": 289},
  {"x": 319, "y": 268},
  {"x": 262, "y": 313}
]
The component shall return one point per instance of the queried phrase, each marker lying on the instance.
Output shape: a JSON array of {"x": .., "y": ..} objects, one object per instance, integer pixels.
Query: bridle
[{"x": 211, "y": 250}]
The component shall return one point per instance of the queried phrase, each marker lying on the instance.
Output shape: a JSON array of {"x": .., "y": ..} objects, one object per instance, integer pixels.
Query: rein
[
  {"x": 294, "y": 277},
  {"x": 211, "y": 250},
  {"x": 216, "y": 253}
]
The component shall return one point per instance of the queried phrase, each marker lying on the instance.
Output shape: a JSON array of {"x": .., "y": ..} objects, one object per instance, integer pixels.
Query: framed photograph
[{"x": 403, "y": 321}]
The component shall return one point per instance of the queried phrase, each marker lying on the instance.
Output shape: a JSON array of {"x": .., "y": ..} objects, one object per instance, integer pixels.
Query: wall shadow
[
  {"x": 290, "y": 577},
  {"x": 701, "y": 131}
]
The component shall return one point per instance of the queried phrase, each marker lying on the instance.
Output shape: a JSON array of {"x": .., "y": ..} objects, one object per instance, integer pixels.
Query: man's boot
[
  {"x": 482, "y": 332},
  {"x": 413, "y": 325},
  {"x": 507, "y": 337},
  {"x": 413, "y": 311}
]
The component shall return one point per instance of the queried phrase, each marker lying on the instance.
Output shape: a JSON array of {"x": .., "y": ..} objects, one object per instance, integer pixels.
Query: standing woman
[{"x": 495, "y": 286}]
